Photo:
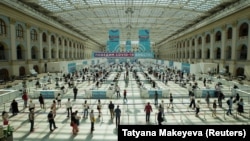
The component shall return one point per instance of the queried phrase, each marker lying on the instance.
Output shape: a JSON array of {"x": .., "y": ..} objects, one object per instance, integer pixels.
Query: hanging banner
[
  {"x": 144, "y": 41},
  {"x": 71, "y": 67},
  {"x": 185, "y": 67},
  {"x": 114, "y": 41},
  {"x": 123, "y": 55},
  {"x": 128, "y": 46},
  {"x": 171, "y": 63}
]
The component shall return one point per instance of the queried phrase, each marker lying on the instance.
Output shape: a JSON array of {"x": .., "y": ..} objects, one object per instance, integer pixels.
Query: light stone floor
[{"x": 132, "y": 114}]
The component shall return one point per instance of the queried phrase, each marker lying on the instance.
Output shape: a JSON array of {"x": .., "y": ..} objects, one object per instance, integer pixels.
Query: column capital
[
  {"x": 224, "y": 27},
  {"x": 40, "y": 30},
  {"x": 235, "y": 23},
  {"x": 12, "y": 20},
  {"x": 28, "y": 26}
]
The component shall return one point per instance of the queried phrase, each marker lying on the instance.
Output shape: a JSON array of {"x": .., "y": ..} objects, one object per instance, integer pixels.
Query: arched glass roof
[{"x": 94, "y": 18}]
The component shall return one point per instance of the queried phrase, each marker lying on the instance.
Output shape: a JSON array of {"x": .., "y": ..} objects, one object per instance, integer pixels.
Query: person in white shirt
[
  {"x": 85, "y": 109},
  {"x": 31, "y": 105},
  {"x": 69, "y": 107},
  {"x": 162, "y": 107}
]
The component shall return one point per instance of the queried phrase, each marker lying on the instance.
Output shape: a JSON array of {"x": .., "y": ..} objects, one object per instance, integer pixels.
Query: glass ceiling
[{"x": 94, "y": 18}]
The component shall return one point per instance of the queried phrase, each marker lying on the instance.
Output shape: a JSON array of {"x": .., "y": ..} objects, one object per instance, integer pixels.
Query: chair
[{"x": 33, "y": 72}]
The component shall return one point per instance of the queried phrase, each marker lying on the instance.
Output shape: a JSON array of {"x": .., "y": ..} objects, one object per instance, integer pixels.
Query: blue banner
[
  {"x": 144, "y": 55},
  {"x": 92, "y": 62},
  {"x": 185, "y": 67},
  {"x": 144, "y": 41},
  {"x": 85, "y": 62},
  {"x": 171, "y": 63},
  {"x": 114, "y": 41},
  {"x": 71, "y": 67},
  {"x": 128, "y": 46}
]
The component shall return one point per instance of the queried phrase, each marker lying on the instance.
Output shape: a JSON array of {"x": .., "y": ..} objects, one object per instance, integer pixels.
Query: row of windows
[
  {"x": 33, "y": 34},
  {"x": 243, "y": 32}
]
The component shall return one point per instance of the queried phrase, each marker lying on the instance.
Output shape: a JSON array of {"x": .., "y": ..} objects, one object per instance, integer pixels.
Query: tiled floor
[{"x": 132, "y": 114}]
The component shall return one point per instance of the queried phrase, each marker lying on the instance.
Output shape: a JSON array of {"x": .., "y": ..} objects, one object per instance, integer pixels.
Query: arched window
[
  {"x": 218, "y": 53},
  {"x": 44, "y": 37},
  {"x": 243, "y": 52},
  {"x": 229, "y": 33},
  {"x": 2, "y": 56},
  {"x": 193, "y": 54},
  {"x": 228, "y": 53},
  {"x": 208, "y": 38},
  {"x": 19, "y": 31},
  {"x": 193, "y": 42},
  {"x": 44, "y": 53},
  {"x": 2, "y": 27},
  {"x": 218, "y": 36},
  {"x": 33, "y": 35},
  {"x": 69, "y": 43},
  {"x": 65, "y": 42},
  {"x": 19, "y": 52},
  {"x": 52, "y": 39},
  {"x": 59, "y": 41},
  {"x": 199, "y": 41},
  {"x": 243, "y": 30},
  {"x": 199, "y": 54},
  {"x": 208, "y": 53},
  {"x": 33, "y": 53}
]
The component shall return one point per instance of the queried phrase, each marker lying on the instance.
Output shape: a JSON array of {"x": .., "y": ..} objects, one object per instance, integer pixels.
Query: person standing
[
  {"x": 117, "y": 116},
  {"x": 92, "y": 120},
  {"x": 214, "y": 108},
  {"x": 51, "y": 121},
  {"x": 125, "y": 96},
  {"x": 53, "y": 108},
  {"x": 111, "y": 109},
  {"x": 31, "y": 119},
  {"x": 148, "y": 110},
  {"x": 41, "y": 101},
  {"x": 162, "y": 107},
  {"x": 69, "y": 107},
  {"x": 159, "y": 117},
  {"x": 240, "y": 108},
  {"x": 14, "y": 107},
  {"x": 230, "y": 105},
  {"x": 117, "y": 88},
  {"x": 192, "y": 102},
  {"x": 31, "y": 106},
  {"x": 156, "y": 98},
  {"x": 85, "y": 109},
  {"x": 25, "y": 99},
  {"x": 75, "y": 90}
]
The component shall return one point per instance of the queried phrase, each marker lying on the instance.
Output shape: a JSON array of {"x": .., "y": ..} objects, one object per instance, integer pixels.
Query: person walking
[
  {"x": 197, "y": 106},
  {"x": 53, "y": 108},
  {"x": 192, "y": 102},
  {"x": 85, "y": 109},
  {"x": 75, "y": 90},
  {"x": 92, "y": 120},
  {"x": 111, "y": 109},
  {"x": 240, "y": 108},
  {"x": 41, "y": 101},
  {"x": 148, "y": 110},
  {"x": 230, "y": 105},
  {"x": 59, "y": 99},
  {"x": 117, "y": 116},
  {"x": 99, "y": 107},
  {"x": 214, "y": 108},
  {"x": 159, "y": 117},
  {"x": 74, "y": 123},
  {"x": 51, "y": 121},
  {"x": 5, "y": 117},
  {"x": 14, "y": 107},
  {"x": 31, "y": 119},
  {"x": 171, "y": 101},
  {"x": 69, "y": 107}
]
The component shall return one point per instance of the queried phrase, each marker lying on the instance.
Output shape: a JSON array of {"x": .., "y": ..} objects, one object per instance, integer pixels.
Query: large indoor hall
[{"x": 80, "y": 69}]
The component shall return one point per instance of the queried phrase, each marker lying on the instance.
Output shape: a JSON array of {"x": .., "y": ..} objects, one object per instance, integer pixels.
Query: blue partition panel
[
  {"x": 152, "y": 93},
  {"x": 48, "y": 94},
  {"x": 96, "y": 94},
  {"x": 211, "y": 92}
]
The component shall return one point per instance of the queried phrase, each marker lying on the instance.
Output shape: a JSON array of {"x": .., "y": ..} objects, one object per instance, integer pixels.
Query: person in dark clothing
[
  {"x": 237, "y": 98},
  {"x": 159, "y": 117},
  {"x": 111, "y": 109},
  {"x": 75, "y": 92},
  {"x": 51, "y": 121},
  {"x": 41, "y": 101},
  {"x": 14, "y": 107}
]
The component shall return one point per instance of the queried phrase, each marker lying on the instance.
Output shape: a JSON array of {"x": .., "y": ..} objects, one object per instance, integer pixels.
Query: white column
[
  {"x": 28, "y": 48},
  {"x": 49, "y": 46},
  {"x": 223, "y": 42},
  {"x": 203, "y": 46},
  {"x": 195, "y": 47},
  {"x": 234, "y": 38},
  {"x": 40, "y": 45},
  {"x": 13, "y": 55},
  {"x": 57, "y": 47},
  {"x": 63, "y": 48},
  {"x": 212, "y": 45}
]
